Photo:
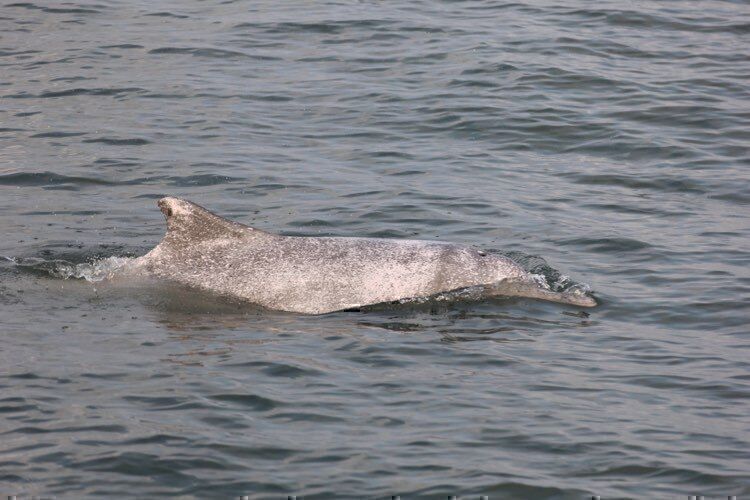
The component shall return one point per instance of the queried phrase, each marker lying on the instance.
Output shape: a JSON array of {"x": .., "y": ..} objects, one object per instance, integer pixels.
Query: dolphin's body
[{"x": 317, "y": 275}]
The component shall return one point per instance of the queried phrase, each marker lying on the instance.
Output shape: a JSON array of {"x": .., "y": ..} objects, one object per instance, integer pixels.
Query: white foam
[
  {"x": 100, "y": 270},
  {"x": 95, "y": 271}
]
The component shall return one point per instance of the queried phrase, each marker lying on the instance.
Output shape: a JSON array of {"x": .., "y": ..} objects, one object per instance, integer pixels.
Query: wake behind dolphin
[{"x": 317, "y": 275}]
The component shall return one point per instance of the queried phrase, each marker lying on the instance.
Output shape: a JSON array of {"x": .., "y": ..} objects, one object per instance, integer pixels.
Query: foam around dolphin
[{"x": 317, "y": 275}]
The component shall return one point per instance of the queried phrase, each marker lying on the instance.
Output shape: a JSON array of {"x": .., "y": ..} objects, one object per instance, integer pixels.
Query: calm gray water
[{"x": 609, "y": 139}]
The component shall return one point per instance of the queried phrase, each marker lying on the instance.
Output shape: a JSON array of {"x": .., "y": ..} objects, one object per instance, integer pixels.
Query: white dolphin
[{"x": 317, "y": 275}]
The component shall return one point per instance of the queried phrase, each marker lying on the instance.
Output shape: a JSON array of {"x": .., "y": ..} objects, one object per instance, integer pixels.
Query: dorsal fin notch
[{"x": 189, "y": 222}]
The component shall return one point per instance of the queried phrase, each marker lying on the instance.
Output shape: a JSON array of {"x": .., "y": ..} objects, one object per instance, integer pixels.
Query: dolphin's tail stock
[{"x": 534, "y": 291}]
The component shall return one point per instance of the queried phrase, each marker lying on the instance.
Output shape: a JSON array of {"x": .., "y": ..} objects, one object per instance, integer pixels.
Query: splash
[
  {"x": 472, "y": 293},
  {"x": 94, "y": 271}
]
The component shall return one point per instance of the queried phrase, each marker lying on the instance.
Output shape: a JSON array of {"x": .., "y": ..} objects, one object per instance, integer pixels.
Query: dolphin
[{"x": 318, "y": 275}]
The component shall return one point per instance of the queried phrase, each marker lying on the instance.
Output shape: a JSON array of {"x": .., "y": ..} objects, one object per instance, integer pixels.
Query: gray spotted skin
[{"x": 320, "y": 275}]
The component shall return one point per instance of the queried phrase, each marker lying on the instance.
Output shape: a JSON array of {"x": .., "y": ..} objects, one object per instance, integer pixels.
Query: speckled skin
[{"x": 319, "y": 275}]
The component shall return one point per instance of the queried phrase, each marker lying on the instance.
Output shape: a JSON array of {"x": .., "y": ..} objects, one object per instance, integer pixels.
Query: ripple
[
  {"x": 116, "y": 141},
  {"x": 59, "y": 134},
  {"x": 167, "y": 14},
  {"x": 306, "y": 417},
  {"x": 55, "y": 10},
  {"x": 77, "y": 92},
  {"x": 144, "y": 464},
  {"x": 608, "y": 245},
  {"x": 201, "y": 180},
  {"x": 211, "y": 53},
  {"x": 249, "y": 401},
  {"x": 660, "y": 184},
  {"x": 43, "y": 179},
  {"x": 118, "y": 429}
]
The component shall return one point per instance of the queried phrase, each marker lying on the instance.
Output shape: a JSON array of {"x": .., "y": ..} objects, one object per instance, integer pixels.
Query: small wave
[
  {"x": 167, "y": 14},
  {"x": 77, "y": 92},
  {"x": 117, "y": 141},
  {"x": 95, "y": 271},
  {"x": 55, "y": 10},
  {"x": 47, "y": 179}
]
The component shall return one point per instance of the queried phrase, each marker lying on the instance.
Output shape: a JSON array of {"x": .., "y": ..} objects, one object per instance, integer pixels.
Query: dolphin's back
[{"x": 311, "y": 275}]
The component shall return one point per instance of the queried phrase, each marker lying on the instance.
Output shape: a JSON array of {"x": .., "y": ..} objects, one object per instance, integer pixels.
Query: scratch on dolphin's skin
[{"x": 318, "y": 275}]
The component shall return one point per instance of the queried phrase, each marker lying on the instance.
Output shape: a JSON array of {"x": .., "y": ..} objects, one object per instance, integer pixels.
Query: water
[{"x": 606, "y": 144}]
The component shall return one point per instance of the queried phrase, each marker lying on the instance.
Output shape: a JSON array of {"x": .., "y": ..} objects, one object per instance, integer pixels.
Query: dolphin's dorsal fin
[{"x": 188, "y": 222}]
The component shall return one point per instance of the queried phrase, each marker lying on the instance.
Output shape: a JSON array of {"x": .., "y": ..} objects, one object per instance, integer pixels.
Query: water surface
[{"x": 609, "y": 140}]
